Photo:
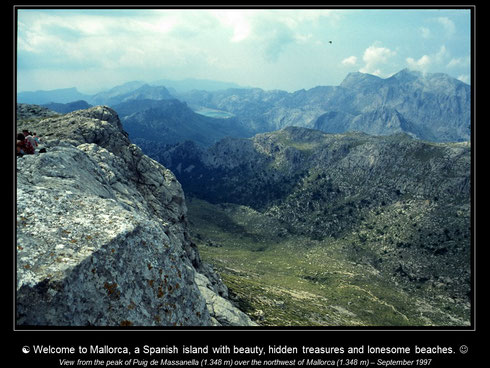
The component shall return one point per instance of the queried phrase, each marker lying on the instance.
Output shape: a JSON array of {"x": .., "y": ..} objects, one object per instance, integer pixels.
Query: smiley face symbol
[
  {"x": 463, "y": 349},
  {"x": 26, "y": 350}
]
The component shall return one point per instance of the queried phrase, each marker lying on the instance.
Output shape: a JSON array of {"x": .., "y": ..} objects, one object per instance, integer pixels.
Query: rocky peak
[
  {"x": 358, "y": 80},
  {"x": 99, "y": 125},
  {"x": 102, "y": 234},
  {"x": 149, "y": 92},
  {"x": 407, "y": 73}
]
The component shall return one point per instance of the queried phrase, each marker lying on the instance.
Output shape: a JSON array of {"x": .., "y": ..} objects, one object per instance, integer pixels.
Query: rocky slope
[
  {"x": 27, "y": 112},
  {"x": 102, "y": 234},
  {"x": 396, "y": 204}
]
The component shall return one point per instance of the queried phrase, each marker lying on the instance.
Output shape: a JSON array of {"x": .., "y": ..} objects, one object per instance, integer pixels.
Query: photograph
[{"x": 225, "y": 171}]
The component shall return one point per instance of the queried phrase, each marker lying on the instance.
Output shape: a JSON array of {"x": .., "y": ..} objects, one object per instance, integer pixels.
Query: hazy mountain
[
  {"x": 431, "y": 106},
  {"x": 152, "y": 123},
  {"x": 63, "y": 95},
  {"x": 379, "y": 121},
  {"x": 131, "y": 91},
  {"x": 428, "y": 106},
  {"x": 437, "y": 105},
  {"x": 190, "y": 84},
  {"x": 114, "y": 92},
  {"x": 64, "y": 108},
  {"x": 113, "y": 95}
]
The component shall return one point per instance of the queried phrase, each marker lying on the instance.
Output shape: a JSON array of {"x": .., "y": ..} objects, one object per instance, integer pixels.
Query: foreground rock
[{"x": 102, "y": 234}]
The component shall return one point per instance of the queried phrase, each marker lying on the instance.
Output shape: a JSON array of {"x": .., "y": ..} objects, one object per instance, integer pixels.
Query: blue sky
[{"x": 289, "y": 49}]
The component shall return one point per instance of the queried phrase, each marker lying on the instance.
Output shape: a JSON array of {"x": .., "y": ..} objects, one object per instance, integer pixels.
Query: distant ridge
[
  {"x": 427, "y": 106},
  {"x": 63, "y": 95},
  {"x": 64, "y": 108},
  {"x": 190, "y": 84}
]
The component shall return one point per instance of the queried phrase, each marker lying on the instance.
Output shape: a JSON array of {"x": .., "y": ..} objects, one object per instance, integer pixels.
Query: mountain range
[{"x": 431, "y": 106}]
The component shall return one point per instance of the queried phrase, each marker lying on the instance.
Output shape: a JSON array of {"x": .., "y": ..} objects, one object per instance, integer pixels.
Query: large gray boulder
[{"x": 102, "y": 233}]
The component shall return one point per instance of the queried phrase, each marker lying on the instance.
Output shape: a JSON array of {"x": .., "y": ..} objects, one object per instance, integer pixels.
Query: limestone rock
[
  {"x": 221, "y": 310},
  {"x": 102, "y": 232}
]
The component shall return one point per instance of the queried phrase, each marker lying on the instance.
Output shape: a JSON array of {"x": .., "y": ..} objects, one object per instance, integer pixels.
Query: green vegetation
[
  {"x": 281, "y": 279},
  {"x": 308, "y": 228}
]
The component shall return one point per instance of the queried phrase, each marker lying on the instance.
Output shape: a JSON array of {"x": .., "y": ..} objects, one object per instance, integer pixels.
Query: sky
[{"x": 287, "y": 49}]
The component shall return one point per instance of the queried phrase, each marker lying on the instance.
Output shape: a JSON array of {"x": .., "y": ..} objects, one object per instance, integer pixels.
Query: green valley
[{"x": 292, "y": 280}]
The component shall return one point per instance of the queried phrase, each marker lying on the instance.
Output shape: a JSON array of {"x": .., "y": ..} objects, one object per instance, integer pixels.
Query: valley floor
[{"x": 280, "y": 279}]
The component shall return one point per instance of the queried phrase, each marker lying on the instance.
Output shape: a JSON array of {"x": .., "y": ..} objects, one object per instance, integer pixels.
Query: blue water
[{"x": 212, "y": 113}]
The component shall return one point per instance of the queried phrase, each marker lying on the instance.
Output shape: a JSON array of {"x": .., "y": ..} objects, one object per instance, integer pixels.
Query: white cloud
[
  {"x": 258, "y": 46},
  {"x": 448, "y": 25},
  {"x": 421, "y": 64},
  {"x": 198, "y": 43},
  {"x": 129, "y": 40},
  {"x": 273, "y": 31},
  {"x": 375, "y": 56},
  {"x": 425, "y": 62},
  {"x": 238, "y": 21},
  {"x": 441, "y": 54},
  {"x": 459, "y": 62},
  {"x": 351, "y": 60}
]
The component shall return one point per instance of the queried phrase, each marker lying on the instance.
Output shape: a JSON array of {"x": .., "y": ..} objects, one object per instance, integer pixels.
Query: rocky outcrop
[
  {"x": 26, "y": 112},
  {"x": 102, "y": 234}
]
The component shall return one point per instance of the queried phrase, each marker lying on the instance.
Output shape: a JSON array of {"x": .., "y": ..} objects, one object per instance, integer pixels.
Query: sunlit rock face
[{"x": 102, "y": 234}]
